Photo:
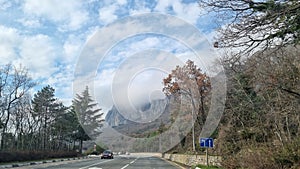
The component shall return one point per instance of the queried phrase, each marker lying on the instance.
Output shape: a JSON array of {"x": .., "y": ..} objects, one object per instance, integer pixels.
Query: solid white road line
[
  {"x": 95, "y": 164},
  {"x": 129, "y": 164},
  {"x": 125, "y": 166}
]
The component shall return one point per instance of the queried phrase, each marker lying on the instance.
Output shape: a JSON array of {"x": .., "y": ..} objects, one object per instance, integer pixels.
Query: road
[{"x": 119, "y": 162}]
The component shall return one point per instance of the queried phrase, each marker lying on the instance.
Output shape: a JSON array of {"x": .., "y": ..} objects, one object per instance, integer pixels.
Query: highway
[{"x": 119, "y": 162}]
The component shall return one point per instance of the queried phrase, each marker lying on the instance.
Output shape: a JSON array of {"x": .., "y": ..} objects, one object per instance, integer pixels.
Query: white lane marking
[
  {"x": 94, "y": 164},
  {"x": 129, "y": 164},
  {"x": 125, "y": 166},
  {"x": 95, "y": 168}
]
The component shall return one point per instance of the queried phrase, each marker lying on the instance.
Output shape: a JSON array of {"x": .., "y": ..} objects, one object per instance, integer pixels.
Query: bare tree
[
  {"x": 14, "y": 84},
  {"x": 21, "y": 121},
  {"x": 262, "y": 108},
  {"x": 253, "y": 24}
]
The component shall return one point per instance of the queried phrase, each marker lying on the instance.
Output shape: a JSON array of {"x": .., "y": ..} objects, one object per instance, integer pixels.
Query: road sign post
[
  {"x": 206, "y": 143},
  {"x": 207, "y": 163}
]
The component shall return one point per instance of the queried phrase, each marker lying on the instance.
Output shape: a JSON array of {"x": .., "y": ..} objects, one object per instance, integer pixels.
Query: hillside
[{"x": 157, "y": 108}]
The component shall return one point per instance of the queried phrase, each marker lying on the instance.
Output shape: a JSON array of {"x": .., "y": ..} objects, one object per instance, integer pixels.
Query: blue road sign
[{"x": 206, "y": 142}]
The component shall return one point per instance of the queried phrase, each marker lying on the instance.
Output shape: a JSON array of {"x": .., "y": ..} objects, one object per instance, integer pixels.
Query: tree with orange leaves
[{"x": 190, "y": 82}]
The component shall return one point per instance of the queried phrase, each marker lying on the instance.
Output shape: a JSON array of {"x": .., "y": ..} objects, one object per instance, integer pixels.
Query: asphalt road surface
[{"x": 119, "y": 162}]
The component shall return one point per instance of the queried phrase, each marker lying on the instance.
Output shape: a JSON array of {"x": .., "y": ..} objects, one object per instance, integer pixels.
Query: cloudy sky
[{"x": 52, "y": 38}]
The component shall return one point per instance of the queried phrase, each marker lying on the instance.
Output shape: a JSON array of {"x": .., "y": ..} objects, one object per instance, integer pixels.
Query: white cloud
[
  {"x": 102, "y": 91},
  {"x": 138, "y": 92},
  {"x": 39, "y": 55},
  {"x": 105, "y": 77},
  {"x": 122, "y": 2},
  {"x": 9, "y": 41},
  {"x": 163, "y": 5},
  {"x": 77, "y": 19},
  {"x": 139, "y": 11},
  {"x": 35, "y": 52},
  {"x": 150, "y": 42},
  {"x": 74, "y": 43},
  {"x": 62, "y": 77},
  {"x": 32, "y": 23},
  {"x": 72, "y": 48},
  {"x": 189, "y": 12},
  {"x": 140, "y": 8},
  {"x": 136, "y": 81},
  {"x": 62, "y": 81},
  {"x": 68, "y": 13},
  {"x": 107, "y": 14}
]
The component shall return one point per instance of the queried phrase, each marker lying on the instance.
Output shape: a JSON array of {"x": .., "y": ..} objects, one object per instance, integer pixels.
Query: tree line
[{"x": 42, "y": 122}]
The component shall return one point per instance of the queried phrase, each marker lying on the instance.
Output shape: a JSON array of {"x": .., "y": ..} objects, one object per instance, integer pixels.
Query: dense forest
[{"x": 260, "y": 54}]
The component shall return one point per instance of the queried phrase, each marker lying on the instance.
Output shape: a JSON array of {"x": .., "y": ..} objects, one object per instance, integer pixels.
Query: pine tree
[
  {"x": 78, "y": 133},
  {"x": 89, "y": 116},
  {"x": 46, "y": 108}
]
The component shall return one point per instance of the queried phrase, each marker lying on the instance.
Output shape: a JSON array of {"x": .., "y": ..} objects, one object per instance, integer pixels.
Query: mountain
[
  {"x": 155, "y": 113},
  {"x": 145, "y": 113},
  {"x": 114, "y": 118}
]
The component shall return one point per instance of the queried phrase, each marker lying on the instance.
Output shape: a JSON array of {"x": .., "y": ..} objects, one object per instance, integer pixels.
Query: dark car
[{"x": 107, "y": 154}]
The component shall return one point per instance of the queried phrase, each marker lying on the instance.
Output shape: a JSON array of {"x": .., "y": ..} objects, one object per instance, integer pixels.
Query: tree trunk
[
  {"x": 80, "y": 147},
  {"x": 4, "y": 130}
]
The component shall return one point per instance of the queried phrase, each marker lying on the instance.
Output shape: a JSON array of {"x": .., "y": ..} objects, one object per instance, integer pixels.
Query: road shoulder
[{"x": 176, "y": 164}]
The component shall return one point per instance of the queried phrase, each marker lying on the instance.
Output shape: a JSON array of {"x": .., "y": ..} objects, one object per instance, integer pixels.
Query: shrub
[{"x": 14, "y": 156}]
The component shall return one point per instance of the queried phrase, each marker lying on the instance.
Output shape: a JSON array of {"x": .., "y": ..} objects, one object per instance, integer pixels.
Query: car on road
[{"x": 107, "y": 154}]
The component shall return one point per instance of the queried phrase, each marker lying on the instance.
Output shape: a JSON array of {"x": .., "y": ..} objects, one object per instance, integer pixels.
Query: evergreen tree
[
  {"x": 65, "y": 127},
  {"x": 89, "y": 117},
  {"x": 78, "y": 133},
  {"x": 46, "y": 108}
]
